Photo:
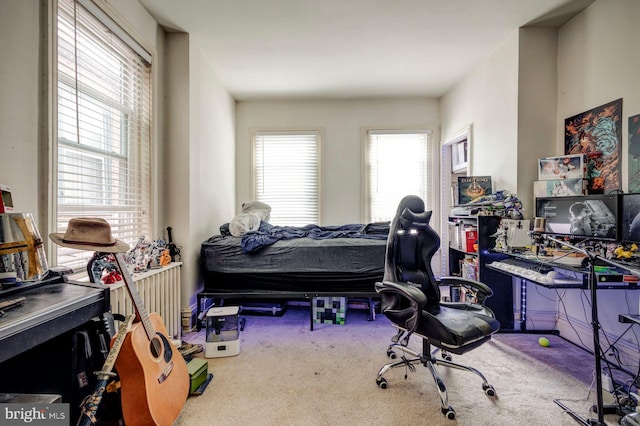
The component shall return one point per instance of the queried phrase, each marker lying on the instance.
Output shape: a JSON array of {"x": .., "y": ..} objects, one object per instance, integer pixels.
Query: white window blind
[
  {"x": 398, "y": 164},
  {"x": 103, "y": 144},
  {"x": 287, "y": 176}
]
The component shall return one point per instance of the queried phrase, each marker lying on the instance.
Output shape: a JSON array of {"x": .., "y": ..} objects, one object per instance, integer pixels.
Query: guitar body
[{"x": 154, "y": 376}]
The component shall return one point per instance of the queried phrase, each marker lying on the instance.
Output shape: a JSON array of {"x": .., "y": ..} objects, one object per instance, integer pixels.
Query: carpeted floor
[{"x": 286, "y": 374}]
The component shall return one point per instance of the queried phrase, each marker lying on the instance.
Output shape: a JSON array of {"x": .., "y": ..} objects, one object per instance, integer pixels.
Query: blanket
[{"x": 267, "y": 234}]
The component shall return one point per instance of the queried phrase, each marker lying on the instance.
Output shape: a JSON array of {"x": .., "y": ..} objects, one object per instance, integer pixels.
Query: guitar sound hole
[
  {"x": 155, "y": 345},
  {"x": 160, "y": 347}
]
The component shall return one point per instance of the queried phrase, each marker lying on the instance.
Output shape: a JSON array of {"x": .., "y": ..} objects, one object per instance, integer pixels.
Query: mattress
[{"x": 300, "y": 265}]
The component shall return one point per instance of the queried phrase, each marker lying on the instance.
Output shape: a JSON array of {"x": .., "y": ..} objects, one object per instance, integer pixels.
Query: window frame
[
  {"x": 125, "y": 33},
  {"x": 431, "y": 197},
  {"x": 318, "y": 131}
]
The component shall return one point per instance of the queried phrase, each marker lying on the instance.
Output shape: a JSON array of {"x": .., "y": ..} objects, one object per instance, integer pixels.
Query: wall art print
[
  {"x": 597, "y": 133},
  {"x": 634, "y": 153}
]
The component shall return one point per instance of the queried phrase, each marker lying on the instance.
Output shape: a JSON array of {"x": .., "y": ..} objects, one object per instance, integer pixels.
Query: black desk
[
  {"x": 36, "y": 347},
  {"x": 52, "y": 307},
  {"x": 543, "y": 266}
]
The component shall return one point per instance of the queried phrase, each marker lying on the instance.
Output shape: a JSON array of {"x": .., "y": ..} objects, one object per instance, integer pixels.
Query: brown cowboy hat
[{"x": 89, "y": 233}]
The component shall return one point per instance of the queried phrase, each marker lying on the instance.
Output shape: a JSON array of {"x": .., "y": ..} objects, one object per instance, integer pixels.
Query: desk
[
  {"x": 52, "y": 307},
  {"x": 35, "y": 338},
  {"x": 529, "y": 269}
]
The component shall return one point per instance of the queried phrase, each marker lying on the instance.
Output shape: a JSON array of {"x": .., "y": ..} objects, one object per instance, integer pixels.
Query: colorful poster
[
  {"x": 597, "y": 134},
  {"x": 634, "y": 153}
]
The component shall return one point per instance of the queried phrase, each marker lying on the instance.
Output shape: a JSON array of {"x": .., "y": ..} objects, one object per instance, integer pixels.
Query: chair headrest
[
  {"x": 410, "y": 219},
  {"x": 411, "y": 202}
]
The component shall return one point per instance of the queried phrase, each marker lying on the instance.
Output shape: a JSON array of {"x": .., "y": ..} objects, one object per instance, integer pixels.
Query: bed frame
[{"x": 297, "y": 269}]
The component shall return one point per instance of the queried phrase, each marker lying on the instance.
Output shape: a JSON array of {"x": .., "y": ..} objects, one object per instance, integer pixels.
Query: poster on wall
[
  {"x": 634, "y": 153},
  {"x": 597, "y": 134}
]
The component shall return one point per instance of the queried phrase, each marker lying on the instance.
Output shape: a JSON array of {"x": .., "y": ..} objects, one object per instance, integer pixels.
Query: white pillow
[
  {"x": 243, "y": 223},
  {"x": 261, "y": 209},
  {"x": 253, "y": 212}
]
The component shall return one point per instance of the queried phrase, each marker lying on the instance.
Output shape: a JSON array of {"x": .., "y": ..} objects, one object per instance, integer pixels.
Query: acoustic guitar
[{"x": 153, "y": 374}]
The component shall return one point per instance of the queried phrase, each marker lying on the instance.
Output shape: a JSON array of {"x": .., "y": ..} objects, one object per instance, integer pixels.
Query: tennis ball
[{"x": 543, "y": 341}]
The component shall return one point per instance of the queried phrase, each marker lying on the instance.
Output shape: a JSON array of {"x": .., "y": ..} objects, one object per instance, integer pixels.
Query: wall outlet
[{"x": 607, "y": 383}]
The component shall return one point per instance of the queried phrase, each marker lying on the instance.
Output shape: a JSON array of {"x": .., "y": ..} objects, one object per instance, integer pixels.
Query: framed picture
[
  {"x": 560, "y": 187},
  {"x": 634, "y": 153},
  {"x": 562, "y": 167},
  {"x": 597, "y": 134},
  {"x": 471, "y": 188}
]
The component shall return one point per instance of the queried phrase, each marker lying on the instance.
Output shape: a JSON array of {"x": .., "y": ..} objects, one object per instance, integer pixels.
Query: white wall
[
  {"x": 510, "y": 101},
  {"x": 24, "y": 106},
  {"x": 596, "y": 64},
  {"x": 342, "y": 121},
  {"x": 194, "y": 161},
  {"x": 537, "y": 91},
  {"x": 488, "y": 99},
  {"x": 199, "y": 167},
  {"x": 19, "y": 70}
]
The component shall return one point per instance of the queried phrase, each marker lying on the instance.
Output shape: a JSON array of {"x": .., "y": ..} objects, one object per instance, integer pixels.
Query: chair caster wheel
[
  {"x": 382, "y": 383},
  {"x": 391, "y": 354},
  {"x": 446, "y": 356},
  {"x": 449, "y": 413},
  {"x": 489, "y": 390}
]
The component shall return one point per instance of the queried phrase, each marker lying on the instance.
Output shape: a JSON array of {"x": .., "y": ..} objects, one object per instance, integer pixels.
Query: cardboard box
[
  {"x": 198, "y": 371},
  {"x": 470, "y": 238},
  {"x": 329, "y": 310}
]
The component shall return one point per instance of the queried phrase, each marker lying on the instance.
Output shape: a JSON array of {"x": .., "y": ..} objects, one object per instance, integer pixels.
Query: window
[
  {"x": 103, "y": 143},
  {"x": 287, "y": 175},
  {"x": 398, "y": 163}
]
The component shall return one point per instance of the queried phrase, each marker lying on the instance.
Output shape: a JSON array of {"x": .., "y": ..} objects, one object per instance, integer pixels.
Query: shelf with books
[{"x": 459, "y": 260}]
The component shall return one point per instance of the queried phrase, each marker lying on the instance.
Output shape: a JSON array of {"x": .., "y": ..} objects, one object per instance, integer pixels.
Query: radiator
[{"x": 159, "y": 291}]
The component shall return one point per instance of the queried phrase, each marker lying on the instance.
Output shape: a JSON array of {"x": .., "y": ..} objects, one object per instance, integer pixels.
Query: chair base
[{"x": 428, "y": 359}]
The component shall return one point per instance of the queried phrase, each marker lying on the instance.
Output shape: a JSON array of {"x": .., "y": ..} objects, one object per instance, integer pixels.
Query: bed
[{"x": 294, "y": 263}]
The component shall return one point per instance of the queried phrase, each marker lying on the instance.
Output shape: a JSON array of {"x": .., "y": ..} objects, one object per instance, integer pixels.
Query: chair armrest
[
  {"x": 409, "y": 315},
  {"x": 407, "y": 290},
  {"x": 480, "y": 290}
]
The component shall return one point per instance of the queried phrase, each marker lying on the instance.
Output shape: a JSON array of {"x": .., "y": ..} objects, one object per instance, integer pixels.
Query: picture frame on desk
[{"x": 473, "y": 187}]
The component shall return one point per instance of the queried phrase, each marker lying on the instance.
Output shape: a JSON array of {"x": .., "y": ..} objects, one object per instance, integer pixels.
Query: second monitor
[{"x": 586, "y": 216}]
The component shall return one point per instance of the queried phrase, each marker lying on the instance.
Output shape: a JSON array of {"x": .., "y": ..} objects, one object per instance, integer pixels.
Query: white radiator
[{"x": 159, "y": 291}]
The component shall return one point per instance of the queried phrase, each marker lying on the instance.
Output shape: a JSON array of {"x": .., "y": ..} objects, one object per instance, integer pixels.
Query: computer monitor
[
  {"x": 630, "y": 218},
  {"x": 588, "y": 216}
]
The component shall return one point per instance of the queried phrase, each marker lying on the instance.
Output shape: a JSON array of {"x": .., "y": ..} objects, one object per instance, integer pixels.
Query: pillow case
[{"x": 253, "y": 213}]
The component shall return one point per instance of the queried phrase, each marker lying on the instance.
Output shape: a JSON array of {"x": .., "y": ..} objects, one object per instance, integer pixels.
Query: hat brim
[{"x": 118, "y": 247}]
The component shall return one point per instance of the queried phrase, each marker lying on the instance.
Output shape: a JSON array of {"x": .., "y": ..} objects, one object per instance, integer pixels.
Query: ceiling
[{"x": 309, "y": 49}]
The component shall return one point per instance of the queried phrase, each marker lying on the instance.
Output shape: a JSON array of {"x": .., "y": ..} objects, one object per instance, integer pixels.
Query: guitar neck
[{"x": 141, "y": 312}]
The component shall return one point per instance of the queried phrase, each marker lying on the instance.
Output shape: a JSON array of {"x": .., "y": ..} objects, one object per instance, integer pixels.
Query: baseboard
[
  {"x": 580, "y": 333},
  {"x": 541, "y": 320}
]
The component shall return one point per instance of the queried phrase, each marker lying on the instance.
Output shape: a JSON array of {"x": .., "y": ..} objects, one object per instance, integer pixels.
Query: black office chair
[{"x": 410, "y": 296}]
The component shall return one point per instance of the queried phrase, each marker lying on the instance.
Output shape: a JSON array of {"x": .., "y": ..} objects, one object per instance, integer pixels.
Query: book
[{"x": 471, "y": 188}]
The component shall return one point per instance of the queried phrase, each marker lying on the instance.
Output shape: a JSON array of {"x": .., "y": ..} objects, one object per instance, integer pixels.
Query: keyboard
[{"x": 535, "y": 272}]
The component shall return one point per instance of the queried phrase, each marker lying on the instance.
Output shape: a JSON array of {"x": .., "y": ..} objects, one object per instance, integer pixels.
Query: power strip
[{"x": 607, "y": 383}]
